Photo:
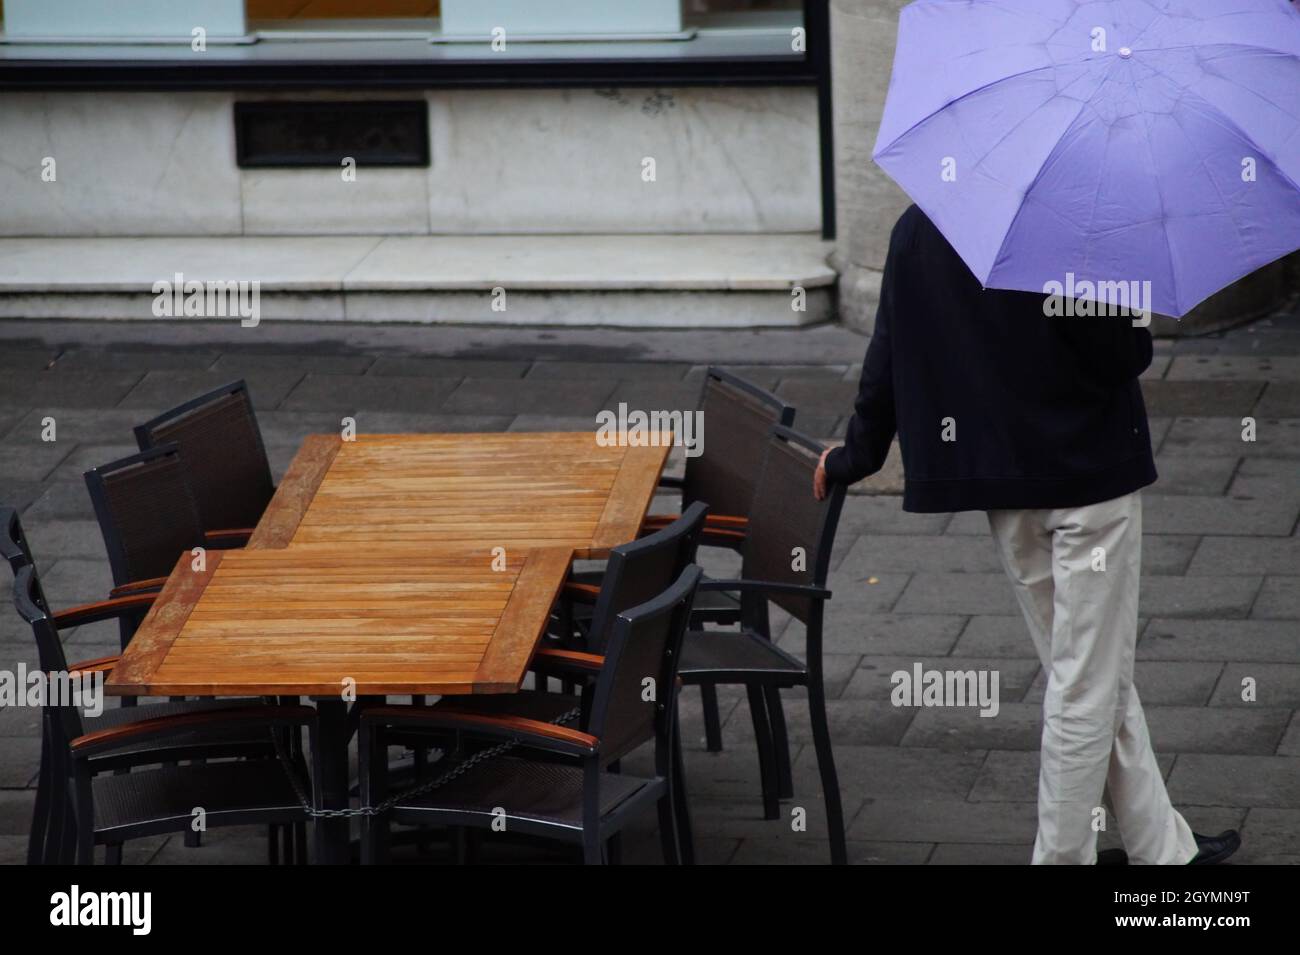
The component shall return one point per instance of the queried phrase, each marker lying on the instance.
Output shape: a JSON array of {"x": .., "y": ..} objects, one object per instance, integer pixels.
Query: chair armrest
[
  {"x": 767, "y": 586},
  {"x": 104, "y": 610},
  {"x": 672, "y": 482},
  {"x": 99, "y": 665},
  {"x": 152, "y": 585},
  {"x": 566, "y": 662},
  {"x": 534, "y": 733},
  {"x": 228, "y": 538},
  {"x": 213, "y": 720},
  {"x": 720, "y": 521}
]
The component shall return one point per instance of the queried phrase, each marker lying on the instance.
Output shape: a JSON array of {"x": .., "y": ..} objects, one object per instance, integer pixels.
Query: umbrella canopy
[{"x": 1082, "y": 143}]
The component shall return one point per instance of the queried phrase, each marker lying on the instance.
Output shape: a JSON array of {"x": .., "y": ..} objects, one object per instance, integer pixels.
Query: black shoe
[
  {"x": 1211, "y": 850},
  {"x": 1112, "y": 857}
]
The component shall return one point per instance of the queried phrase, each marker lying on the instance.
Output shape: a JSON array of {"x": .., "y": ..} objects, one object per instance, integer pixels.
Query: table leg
[{"x": 333, "y": 733}]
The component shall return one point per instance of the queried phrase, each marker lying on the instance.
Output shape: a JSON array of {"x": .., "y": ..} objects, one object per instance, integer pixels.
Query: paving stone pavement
[{"x": 1220, "y": 608}]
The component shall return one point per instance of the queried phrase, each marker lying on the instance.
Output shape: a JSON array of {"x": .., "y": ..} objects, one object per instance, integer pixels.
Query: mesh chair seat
[
  {"x": 233, "y": 793},
  {"x": 529, "y": 790},
  {"x": 715, "y": 606},
  {"x": 715, "y": 656}
]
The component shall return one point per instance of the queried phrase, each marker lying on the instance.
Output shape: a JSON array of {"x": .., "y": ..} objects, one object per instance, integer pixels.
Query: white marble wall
[{"x": 547, "y": 161}]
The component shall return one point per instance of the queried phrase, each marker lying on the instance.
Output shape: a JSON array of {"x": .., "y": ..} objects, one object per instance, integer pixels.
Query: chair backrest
[
  {"x": 791, "y": 533},
  {"x": 29, "y": 601},
  {"x": 645, "y": 645},
  {"x": 147, "y": 512},
  {"x": 737, "y": 418},
  {"x": 642, "y": 569},
  {"x": 218, "y": 436},
  {"x": 13, "y": 542}
]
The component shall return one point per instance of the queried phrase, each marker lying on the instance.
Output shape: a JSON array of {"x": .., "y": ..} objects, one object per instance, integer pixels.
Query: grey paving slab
[
  {"x": 1246, "y": 555},
  {"x": 348, "y": 393},
  {"x": 76, "y": 426},
  {"x": 139, "y": 359},
  {"x": 946, "y": 820},
  {"x": 549, "y": 422},
  {"x": 82, "y": 457},
  {"x": 1197, "y": 596},
  {"x": 1201, "y": 729},
  {"x": 885, "y": 633},
  {"x": 1281, "y": 399},
  {"x": 819, "y": 395},
  {"x": 629, "y": 370},
  {"x": 1279, "y": 598},
  {"x": 996, "y": 635},
  {"x": 158, "y": 391},
  {"x": 967, "y": 853},
  {"x": 1181, "y": 474},
  {"x": 34, "y": 461},
  {"x": 1265, "y": 479},
  {"x": 986, "y": 593},
  {"x": 1274, "y": 437},
  {"x": 1290, "y": 745},
  {"x": 53, "y": 540},
  {"x": 1015, "y": 726},
  {"x": 852, "y": 722},
  {"x": 1277, "y": 684},
  {"x": 1234, "y": 367},
  {"x": 530, "y": 396},
  {"x": 1277, "y": 829},
  {"x": 873, "y": 679},
  {"x": 404, "y": 367},
  {"x": 15, "y": 357},
  {"x": 873, "y": 555},
  {"x": 863, "y": 514},
  {"x": 45, "y": 390},
  {"x": 1269, "y": 782},
  {"x": 975, "y": 523},
  {"x": 236, "y": 364},
  {"x": 1204, "y": 514},
  {"x": 74, "y": 580},
  {"x": 770, "y": 375},
  {"x": 1267, "y": 641},
  {"x": 898, "y": 772},
  {"x": 20, "y": 760},
  {"x": 1161, "y": 682},
  {"x": 654, "y": 394},
  {"x": 61, "y": 500},
  {"x": 858, "y": 598},
  {"x": 1201, "y": 398}
]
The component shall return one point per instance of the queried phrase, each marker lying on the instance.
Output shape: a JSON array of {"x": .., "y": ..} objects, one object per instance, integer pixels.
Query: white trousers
[{"x": 1075, "y": 572}]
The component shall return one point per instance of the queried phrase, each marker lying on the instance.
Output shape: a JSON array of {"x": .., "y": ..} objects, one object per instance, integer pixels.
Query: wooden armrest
[
  {"x": 721, "y": 521},
  {"x": 115, "y": 736},
  {"x": 138, "y": 586},
  {"x": 104, "y": 610},
  {"x": 536, "y": 733},
  {"x": 582, "y": 593},
  {"x": 552, "y": 659},
  {"x": 100, "y": 665}
]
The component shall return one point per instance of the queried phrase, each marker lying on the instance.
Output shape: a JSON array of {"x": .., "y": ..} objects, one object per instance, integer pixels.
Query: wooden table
[
  {"x": 392, "y": 565},
  {"x": 507, "y": 490}
]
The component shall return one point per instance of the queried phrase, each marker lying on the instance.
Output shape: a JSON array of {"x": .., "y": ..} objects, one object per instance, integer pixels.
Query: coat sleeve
[{"x": 872, "y": 427}]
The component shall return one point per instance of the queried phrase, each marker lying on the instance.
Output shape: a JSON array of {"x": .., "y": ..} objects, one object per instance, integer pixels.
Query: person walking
[{"x": 1005, "y": 406}]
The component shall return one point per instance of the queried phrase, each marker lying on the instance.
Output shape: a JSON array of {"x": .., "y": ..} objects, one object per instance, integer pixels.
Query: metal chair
[
  {"x": 556, "y": 783},
  {"x": 218, "y": 436},
  {"x": 131, "y": 805},
  {"x": 785, "y": 559},
  {"x": 148, "y": 517}
]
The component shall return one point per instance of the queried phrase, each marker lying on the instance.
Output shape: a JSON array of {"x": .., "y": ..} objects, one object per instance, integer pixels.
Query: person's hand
[{"x": 819, "y": 477}]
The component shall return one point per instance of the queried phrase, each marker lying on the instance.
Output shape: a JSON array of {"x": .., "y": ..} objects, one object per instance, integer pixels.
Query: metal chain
[{"x": 455, "y": 772}]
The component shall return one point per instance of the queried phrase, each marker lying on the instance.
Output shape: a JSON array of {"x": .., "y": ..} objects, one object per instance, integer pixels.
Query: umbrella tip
[{"x": 1125, "y": 52}]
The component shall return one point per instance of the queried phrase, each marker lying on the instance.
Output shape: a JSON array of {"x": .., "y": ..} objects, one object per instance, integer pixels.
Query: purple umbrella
[{"x": 1090, "y": 143}]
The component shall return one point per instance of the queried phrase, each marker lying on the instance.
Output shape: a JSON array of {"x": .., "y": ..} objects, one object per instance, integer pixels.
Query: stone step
[{"x": 645, "y": 281}]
